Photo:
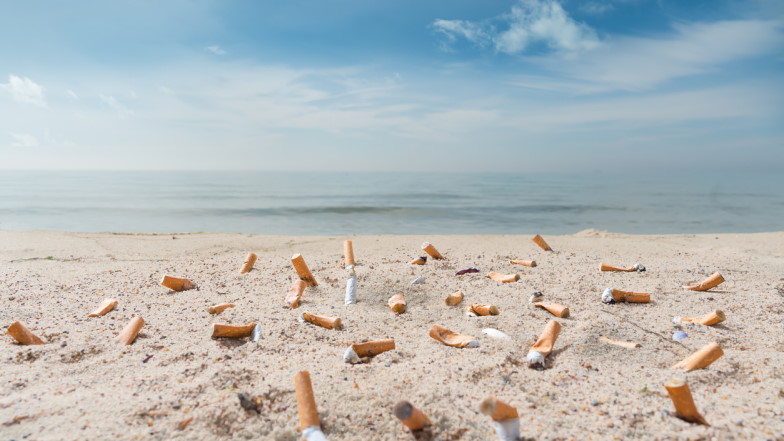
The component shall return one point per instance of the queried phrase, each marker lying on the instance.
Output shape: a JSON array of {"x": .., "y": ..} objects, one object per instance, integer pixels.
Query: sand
[{"x": 81, "y": 385}]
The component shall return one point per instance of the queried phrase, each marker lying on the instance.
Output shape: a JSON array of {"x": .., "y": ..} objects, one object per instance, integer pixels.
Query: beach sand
[{"x": 81, "y": 385}]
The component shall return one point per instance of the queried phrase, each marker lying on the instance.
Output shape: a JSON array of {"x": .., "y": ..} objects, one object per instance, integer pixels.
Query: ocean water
[{"x": 310, "y": 203}]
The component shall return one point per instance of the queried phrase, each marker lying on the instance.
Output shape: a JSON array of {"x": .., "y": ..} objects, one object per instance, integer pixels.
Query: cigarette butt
[
  {"x": 105, "y": 306},
  {"x": 23, "y": 335},
  {"x": 322, "y": 320},
  {"x": 295, "y": 293},
  {"x": 348, "y": 253},
  {"x": 604, "y": 267},
  {"x": 711, "y": 319},
  {"x": 418, "y": 261},
  {"x": 702, "y": 358},
  {"x": 177, "y": 283},
  {"x": 484, "y": 310},
  {"x": 544, "y": 346},
  {"x": 528, "y": 263},
  {"x": 306, "y": 401},
  {"x": 713, "y": 281},
  {"x": 454, "y": 299},
  {"x": 184, "y": 423},
  {"x": 250, "y": 260},
  {"x": 624, "y": 344},
  {"x": 616, "y": 296},
  {"x": 542, "y": 244},
  {"x": 356, "y": 352},
  {"x": 555, "y": 309},
  {"x": 497, "y": 409},
  {"x": 302, "y": 270},
  {"x": 680, "y": 394},
  {"x": 410, "y": 416},
  {"x": 130, "y": 331},
  {"x": 432, "y": 251},
  {"x": 397, "y": 303},
  {"x": 503, "y": 278},
  {"x": 231, "y": 331},
  {"x": 351, "y": 289},
  {"x": 453, "y": 339},
  {"x": 217, "y": 309}
]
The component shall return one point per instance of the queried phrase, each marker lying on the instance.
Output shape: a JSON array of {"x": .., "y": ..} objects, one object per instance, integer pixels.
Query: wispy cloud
[
  {"x": 596, "y": 7},
  {"x": 122, "y": 111},
  {"x": 529, "y": 22},
  {"x": 24, "y": 90},
  {"x": 23, "y": 140},
  {"x": 215, "y": 49}
]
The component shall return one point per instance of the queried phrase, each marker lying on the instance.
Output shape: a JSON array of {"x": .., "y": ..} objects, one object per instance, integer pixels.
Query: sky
[{"x": 357, "y": 85}]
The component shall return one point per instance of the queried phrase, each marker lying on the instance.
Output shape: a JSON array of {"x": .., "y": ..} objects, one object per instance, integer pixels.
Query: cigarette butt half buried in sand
[
  {"x": 636, "y": 267},
  {"x": 130, "y": 331},
  {"x": 177, "y": 283},
  {"x": 295, "y": 293},
  {"x": 453, "y": 339},
  {"x": 432, "y": 251},
  {"x": 542, "y": 244},
  {"x": 623, "y": 344},
  {"x": 483, "y": 310},
  {"x": 105, "y": 306},
  {"x": 217, "y": 309},
  {"x": 356, "y": 352},
  {"x": 454, "y": 299},
  {"x": 348, "y": 253},
  {"x": 418, "y": 261},
  {"x": 713, "y": 281},
  {"x": 231, "y": 331},
  {"x": 554, "y": 309},
  {"x": 250, "y": 260},
  {"x": 410, "y": 416},
  {"x": 701, "y": 359},
  {"x": 397, "y": 303},
  {"x": 302, "y": 270},
  {"x": 309, "y": 422},
  {"x": 503, "y": 278},
  {"x": 505, "y": 418},
  {"x": 322, "y": 320},
  {"x": 611, "y": 296},
  {"x": 713, "y": 318},
  {"x": 680, "y": 394},
  {"x": 544, "y": 346},
  {"x": 23, "y": 335},
  {"x": 528, "y": 263}
]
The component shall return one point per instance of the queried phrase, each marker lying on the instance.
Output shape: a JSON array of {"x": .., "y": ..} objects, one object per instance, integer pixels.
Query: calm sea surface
[{"x": 304, "y": 203}]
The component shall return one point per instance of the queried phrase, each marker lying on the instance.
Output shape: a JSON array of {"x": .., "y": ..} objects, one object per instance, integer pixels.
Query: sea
[{"x": 334, "y": 203}]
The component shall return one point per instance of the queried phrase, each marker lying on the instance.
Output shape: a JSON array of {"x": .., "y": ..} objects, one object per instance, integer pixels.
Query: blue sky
[{"x": 444, "y": 85}]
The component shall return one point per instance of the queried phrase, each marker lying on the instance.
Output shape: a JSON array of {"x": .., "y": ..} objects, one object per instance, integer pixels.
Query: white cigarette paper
[
  {"x": 313, "y": 433},
  {"x": 508, "y": 430},
  {"x": 351, "y": 290}
]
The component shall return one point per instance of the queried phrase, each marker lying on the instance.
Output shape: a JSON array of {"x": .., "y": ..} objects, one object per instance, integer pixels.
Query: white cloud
[
  {"x": 596, "y": 8},
  {"x": 24, "y": 90},
  {"x": 72, "y": 94},
  {"x": 23, "y": 140},
  {"x": 529, "y": 22},
  {"x": 122, "y": 111},
  {"x": 215, "y": 49}
]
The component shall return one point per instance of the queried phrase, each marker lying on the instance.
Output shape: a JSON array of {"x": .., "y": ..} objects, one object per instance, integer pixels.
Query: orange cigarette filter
[
  {"x": 131, "y": 330},
  {"x": 302, "y": 270},
  {"x": 410, "y": 416},
  {"x": 702, "y": 358},
  {"x": 105, "y": 306},
  {"x": 348, "y": 253},
  {"x": 23, "y": 335},
  {"x": 453, "y": 339},
  {"x": 547, "y": 339},
  {"x": 250, "y": 260},
  {"x": 295, "y": 293},
  {"x": 230, "y": 331},
  {"x": 217, "y": 309},
  {"x": 454, "y": 299},
  {"x": 711, "y": 282},
  {"x": 623, "y": 344},
  {"x": 484, "y": 309},
  {"x": 680, "y": 394},
  {"x": 604, "y": 267},
  {"x": 177, "y": 283},
  {"x": 418, "y": 261},
  {"x": 323, "y": 320},
  {"x": 373, "y": 348},
  {"x": 630, "y": 296},
  {"x": 542, "y": 244},
  {"x": 528, "y": 263},
  {"x": 397, "y": 303},
  {"x": 306, "y": 401},
  {"x": 554, "y": 309},
  {"x": 432, "y": 251},
  {"x": 714, "y": 318},
  {"x": 503, "y": 278},
  {"x": 497, "y": 409}
]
